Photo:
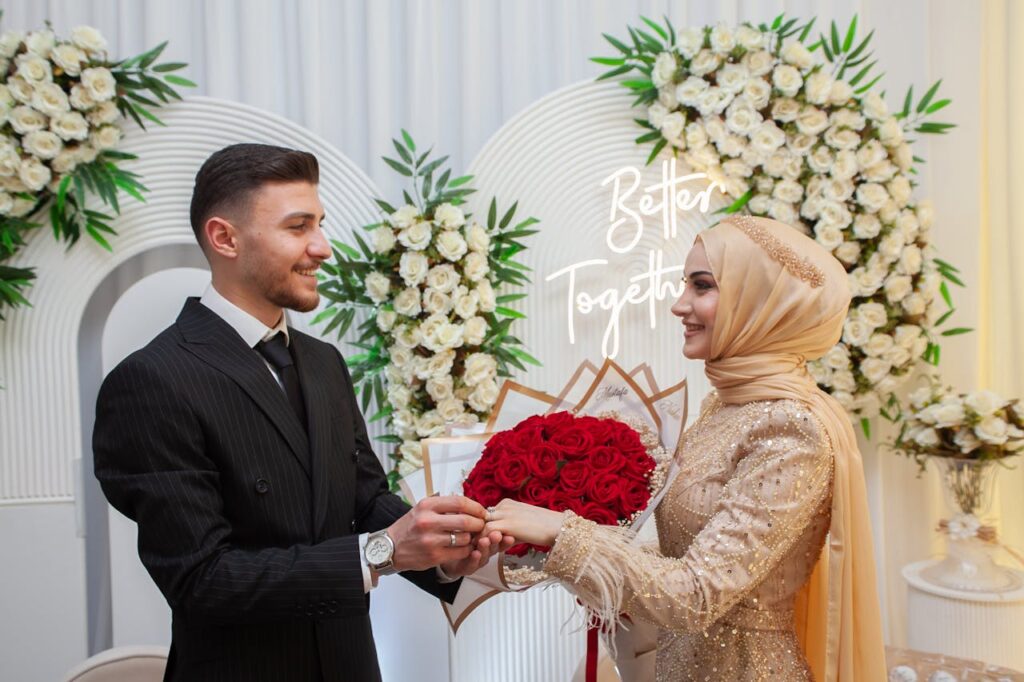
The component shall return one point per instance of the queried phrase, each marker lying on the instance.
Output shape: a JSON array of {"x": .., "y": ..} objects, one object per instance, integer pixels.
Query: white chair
[{"x": 122, "y": 664}]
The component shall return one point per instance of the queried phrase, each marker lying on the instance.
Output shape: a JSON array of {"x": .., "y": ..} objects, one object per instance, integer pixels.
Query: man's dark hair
[{"x": 228, "y": 179}]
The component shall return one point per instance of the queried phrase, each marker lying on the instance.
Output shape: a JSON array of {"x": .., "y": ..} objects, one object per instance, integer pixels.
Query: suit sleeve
[
  {"x": 151, "y": 462},
  {"x": 376, "y": 506}
]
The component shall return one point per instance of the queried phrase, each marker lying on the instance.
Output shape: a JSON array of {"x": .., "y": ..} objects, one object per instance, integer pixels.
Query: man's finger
[
  {"x": 456, "y": 504},
  {"x": 457, "y": 522}
]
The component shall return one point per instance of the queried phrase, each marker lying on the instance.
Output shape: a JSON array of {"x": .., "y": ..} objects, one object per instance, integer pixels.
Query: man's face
[{"x": 281, "y": 245}]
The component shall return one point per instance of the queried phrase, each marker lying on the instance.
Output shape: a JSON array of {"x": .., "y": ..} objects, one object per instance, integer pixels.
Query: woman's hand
[{"x": 534, "y": 525}]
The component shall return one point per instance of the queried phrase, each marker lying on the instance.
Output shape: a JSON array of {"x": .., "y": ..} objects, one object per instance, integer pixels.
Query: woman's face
[{"x": 697, "y": 306}]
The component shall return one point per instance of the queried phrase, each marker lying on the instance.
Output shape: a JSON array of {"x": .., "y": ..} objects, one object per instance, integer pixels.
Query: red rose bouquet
[{"x": 602, "y": 468}]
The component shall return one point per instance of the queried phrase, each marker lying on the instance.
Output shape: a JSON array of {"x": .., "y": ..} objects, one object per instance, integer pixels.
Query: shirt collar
[{"x": 248, "y": 327}]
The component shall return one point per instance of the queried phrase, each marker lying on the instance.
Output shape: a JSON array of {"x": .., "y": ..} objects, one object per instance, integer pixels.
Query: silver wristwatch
[{"x": 380, "y": 552}]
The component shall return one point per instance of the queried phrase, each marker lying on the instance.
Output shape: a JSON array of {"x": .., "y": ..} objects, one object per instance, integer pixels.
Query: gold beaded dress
[{"x": 741, "y": 529}]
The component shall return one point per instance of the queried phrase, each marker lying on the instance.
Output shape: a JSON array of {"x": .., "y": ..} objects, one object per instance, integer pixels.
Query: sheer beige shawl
[{"x": 782, "y": 301}]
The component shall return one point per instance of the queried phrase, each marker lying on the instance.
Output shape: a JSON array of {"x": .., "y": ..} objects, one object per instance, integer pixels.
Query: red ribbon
[{"x": 591, "y": 654}]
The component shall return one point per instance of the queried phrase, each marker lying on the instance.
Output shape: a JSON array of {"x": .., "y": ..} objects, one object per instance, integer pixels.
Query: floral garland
[
  {"x": 806, "y": 141},
  {"x": 439, "y": 336},
  {"x": 61, "y": 103}
]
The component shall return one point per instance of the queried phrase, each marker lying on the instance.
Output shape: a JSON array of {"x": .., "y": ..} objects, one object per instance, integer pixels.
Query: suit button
[
  {"x": 262, "y": 486},
  {"x": 353, "y": 525},
  {"x": 355, "y": 455}
]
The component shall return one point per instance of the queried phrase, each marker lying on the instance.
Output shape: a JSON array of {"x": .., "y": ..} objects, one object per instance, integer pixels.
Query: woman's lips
[{"x": 692, "y": 329}]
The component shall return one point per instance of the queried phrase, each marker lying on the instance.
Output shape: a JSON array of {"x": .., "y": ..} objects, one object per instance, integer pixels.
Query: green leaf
[
  {"x": 655, "y": 27},
  {"x": 148, "y": 58},
  {"x": 944, "y": 290},
  {"x": 432, "y": 166},
  {"x": 737, "y": 205},
  {"x": 863, "y": 72},
  {"x": 388, "y": 438},
  {"x": 945, "y": 316},
  {"x": 867, "y": 87},
  {"x": 824, "y": 45},
  {"x": 654, "y": 152},
  {"x": 408, "y": 141},
  {"x": 941, "y": 104},
  {"x": 951, "y": 277},
  {"x": 385, "y": 206},
  {"x": 865, "y": 426},
  {"x": 777, "y": 21},
  {"x": 178, "y": 80},
  {"x": 492, "y": 214},
  {"x": 145, "y": 113},
  {"x": 923, "y": 104},
  {"x": 509, "y": 312},
  {"x": 618, "y": 45},
  {"x": 507, "y": 218},
  {"x": 850, "y": 33},
  {"x": 169, "y": 66},
  {"x": 956, "y": 331},
  {"x": 638, "y": 84},
  {"x": 907, "y": 102},
  {"x": 945, "y": 265},
  {"x": 524, "y": 356},
  {"x": 398, "y": 167},
  {"x": 934, "y": 128},
  {"x": 459, "y": 181},
  {"x": 509, "y": 298},
  {"x": 836, "y": 45},
  {"x": 806, "y": 30},
  {"x": 402, "y": 151},
  {"x": 648, "y": 137},
  {"x": 860, "y": 48},
  {"x": 609, "y": 61}
]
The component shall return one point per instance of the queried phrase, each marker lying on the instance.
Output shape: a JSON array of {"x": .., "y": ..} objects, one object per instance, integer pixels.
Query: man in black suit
[{"x": 235, "y": 443}]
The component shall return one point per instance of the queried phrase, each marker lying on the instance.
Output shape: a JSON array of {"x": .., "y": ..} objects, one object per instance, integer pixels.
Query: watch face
[{"x": 378, "y": 551}]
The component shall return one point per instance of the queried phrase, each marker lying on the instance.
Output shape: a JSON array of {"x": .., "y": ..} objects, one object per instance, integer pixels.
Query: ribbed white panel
[
  {"x": 532, "y": 636},
  {"x": 39, "y": 409}
]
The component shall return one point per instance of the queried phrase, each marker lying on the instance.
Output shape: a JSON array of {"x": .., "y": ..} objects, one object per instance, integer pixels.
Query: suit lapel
[
  {"x": 213, "y": 340},
  {"x": 318, "y": 411}
]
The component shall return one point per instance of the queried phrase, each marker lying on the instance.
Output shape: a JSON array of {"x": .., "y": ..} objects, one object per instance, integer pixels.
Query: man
[{"x": 235, "y": 443}]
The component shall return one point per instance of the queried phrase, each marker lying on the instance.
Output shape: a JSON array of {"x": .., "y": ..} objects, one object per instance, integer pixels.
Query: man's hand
[
  {"x": 487, "y": 545},
  {"x": 423, "y": 537}
]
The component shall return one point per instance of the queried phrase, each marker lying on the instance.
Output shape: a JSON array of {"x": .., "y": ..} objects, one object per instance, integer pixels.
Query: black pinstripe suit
[{"x": 247, "y": 524}]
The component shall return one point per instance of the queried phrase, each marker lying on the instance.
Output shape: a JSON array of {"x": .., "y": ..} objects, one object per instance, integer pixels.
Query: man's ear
[{"x": 221, "y": 237}]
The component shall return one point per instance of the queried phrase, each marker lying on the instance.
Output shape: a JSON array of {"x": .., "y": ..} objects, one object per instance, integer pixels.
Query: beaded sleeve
[{"x": 780, "y": 482}]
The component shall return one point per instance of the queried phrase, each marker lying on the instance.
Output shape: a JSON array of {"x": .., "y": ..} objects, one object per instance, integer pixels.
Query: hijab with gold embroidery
[{"x": 782, "y": 301}]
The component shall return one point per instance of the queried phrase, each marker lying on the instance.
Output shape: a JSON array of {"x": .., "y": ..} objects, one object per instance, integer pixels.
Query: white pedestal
[{"x": 979, "y": 625}]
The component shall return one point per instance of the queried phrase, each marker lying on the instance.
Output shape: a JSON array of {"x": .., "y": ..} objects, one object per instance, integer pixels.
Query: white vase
[{"x": 968, "y": 564}]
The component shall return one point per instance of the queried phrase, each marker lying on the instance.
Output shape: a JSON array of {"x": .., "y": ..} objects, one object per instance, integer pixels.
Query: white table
[{"x": 978, "y": 625}]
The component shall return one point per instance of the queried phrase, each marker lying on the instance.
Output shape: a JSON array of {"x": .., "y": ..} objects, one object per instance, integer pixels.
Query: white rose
[
  {"x": 42, "y": 143},
  {"x": 898, "y": 287},
  {"x": 386, "y": 319},
  {"x": 467, "y": 305},
  {"x": 672, "y": 125},
  {"x": 404, "y": 217},
  {"x": 900, "y": 189},
  {"x": 758, "y": 91},
  {"x": 927, "y": 438},
  {"x": 844, "y": 381},
  {"x": 475, "y": 266},
  {"x": 838, "y": 357},
  {"x": 450, "y": 409},
  {"x": 6, "y": 203},
  {"x": 840, "y": 94},
  {"x": 817, "y": 87},
  {"x": 664, "y": 69},
  {"x": 80, "y": 98},
  {"x": 444, "y": 278},
  {"x": 759, "y": 63},
  {"x": 88, "y": 38},
  {"x": 878, "y": 345},
  {"x": 484, "y": 395},
  {"x": 104, "y": 113},
  {"x": 383, "y": 239},
  {"x": 848, "y": 252},
  {"x": 992, "y": 430},
  {"x": 782, "y": 211},
  {"x": 399, "y": 396},
  {"x": 874, "y": 107},
  {"x": 890, "y": 133},
  {"x": 910, "y": 260},
  {"x": 479, "y": 367},
  {"x": 435, "y": 302},
  {"x": 689, "y": 91},
  {"x": 704, "y": 63},
  {"x": 440, "y": 388},
  {"x": 749, "y": 38},
  {"x": 880, "y": 172},
  {"x": 667, "y": 96},
  {"x": 10, "y": 41},
  {"x": 34, "y": 174},
  {"x": 377, "y": 286},
  {"x": 874, "y": 369},
  {"x": 413, "y": 267},
  {"x": 873, "y": 314},
  {"x": 866, "y": 226},
  {"x": 904, "y": 157},
  {"x": 451, "y": 245},
  {"x": 872, "y": 196},
  {"x": 449, "y": 216},
  {"x": 950, "y": 412},
  {"x": 856, "y": 332},
  {"x": 966, "y": 440},
  {"x": 40, "y": 42},
  {"x": 925, "y": 214},
  {"x": 785, "y": 109},
  {"x": 897, "y": 356},
  {"x": 768, "y": 137},
  {"x": 891, "y": 245},
  {"x": 908, "y": 225},
  {"x": 732, "y": 146},
  {"x": 99, "y": 82},
  {"x": 846, "y": 165},
  {"x": 787, "y": 80},
  {"x": 844, "y": 398},
  {"x": 838, "y": 190},
  {"x": 656, "y": 114},
  {"x": 828, "y": 235},
  {"x": 841, "y": 138},
  {"x": 69, "y": 58},
  {"x": 795, "y": 53},
  {"x": 689, "y": 41},
  {"x": 20, "y": 89},
  {"x": 417, "y": 236},
  {"x": 714, "y": 126},
  {"x": 430, "y": 425},
  {"x": 26, "y": 120},
  {"x": 446, "y": 336},
  {"x": 488, "y": 300},
  {"x": 723, "y": 39},
  {"x": 914, "y": 304},
  {"x": 408, "y": 302},
  {"x": 439, "y": 366},
  {"x": 811, "y": 121},
  {"x": 33, "y": 68},
  {"x": 50, "y": 99},
  {"x": 821, "y": 159},
  {"x": 477, "y": 238},
  {"x": 475, "y": 329},
  {"x": 742, "y": 120},
  {"x": 835, "y": 213},
  {"x": 983, "y": 403},
  {"x": 870, "y": 154},
  {"x": 732, "y": 78},
  {"x": 920, "y": 397},
  {"x": 106, "y": 137},
  {"x": 760, "y": 204}
]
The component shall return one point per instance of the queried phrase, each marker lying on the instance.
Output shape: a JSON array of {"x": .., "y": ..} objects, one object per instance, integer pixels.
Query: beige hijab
[{"x": 782, "y": 301}]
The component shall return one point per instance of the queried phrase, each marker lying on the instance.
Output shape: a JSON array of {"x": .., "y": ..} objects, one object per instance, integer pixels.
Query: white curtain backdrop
[{"x": 451, "y": 72}]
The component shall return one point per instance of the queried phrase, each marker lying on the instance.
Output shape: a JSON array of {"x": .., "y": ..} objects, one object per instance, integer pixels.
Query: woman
[{"x": 741, "y": 589}]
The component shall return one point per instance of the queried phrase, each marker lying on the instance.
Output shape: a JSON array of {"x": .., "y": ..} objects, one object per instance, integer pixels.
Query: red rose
[
  {"x": 634, "y": 497},
  {"x": 486, "y": 492},
  {"x": 518, "y": 550},
  {"x": 639, "y": 467},
  {"x": 606, "y": 458},
  {"x": 535, "y": 492},
  {"x": 626, "y": 439},
  {"x": 599, "y": 429},
  {"x": 511, "y": 472},
  {"x": 543, "y": 461},
  {"x": 534, "y": 422},
  {"x": 573, "y": 441},
  {"x": 599, "y": 514},
  {"x": 560, "y": 501},
  {"x": 604, "y": 488},
  {"x": 572, "y": 479}
]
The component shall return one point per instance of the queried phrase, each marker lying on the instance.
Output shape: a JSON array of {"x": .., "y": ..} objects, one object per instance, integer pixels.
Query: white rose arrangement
[
  {"x": 796, "y": 133},
  {"x": 63, "y": 103},
  {"x": 438, "y": 338},
  {"x": 942, "y": 423}
]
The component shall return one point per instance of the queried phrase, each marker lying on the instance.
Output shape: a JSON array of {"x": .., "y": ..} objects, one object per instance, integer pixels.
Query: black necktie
[{"x": 276, "y": 352}]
